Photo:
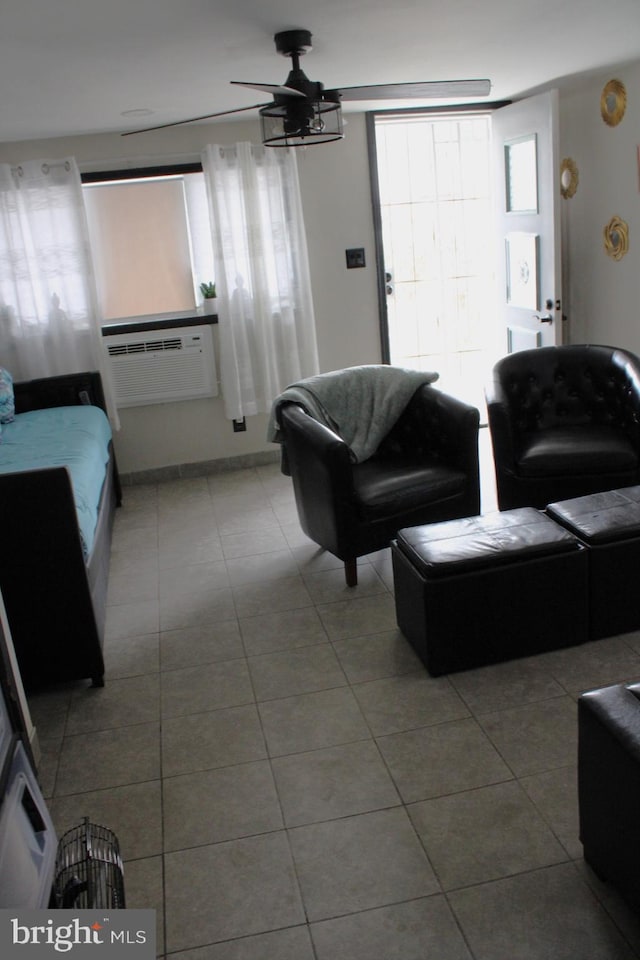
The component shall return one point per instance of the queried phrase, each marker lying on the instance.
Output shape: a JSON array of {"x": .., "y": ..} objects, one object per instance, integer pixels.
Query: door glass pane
[
  {"x": 435, "y": 206},
  {"x": 521, "y": 172}
]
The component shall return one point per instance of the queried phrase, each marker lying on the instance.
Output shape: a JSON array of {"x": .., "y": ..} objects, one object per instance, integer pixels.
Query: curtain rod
[{"x": 140, "y": 173}]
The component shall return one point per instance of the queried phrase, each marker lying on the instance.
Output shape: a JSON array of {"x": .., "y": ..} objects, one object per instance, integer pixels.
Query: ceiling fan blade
[
  {"x": 429, "y": 89},
  {"x": 272, "y": 88},
  {"x": 206, "y": 116}
]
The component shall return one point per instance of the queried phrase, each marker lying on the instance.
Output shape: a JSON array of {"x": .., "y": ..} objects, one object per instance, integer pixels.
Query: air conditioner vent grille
[{"x": 145, "y": 346}]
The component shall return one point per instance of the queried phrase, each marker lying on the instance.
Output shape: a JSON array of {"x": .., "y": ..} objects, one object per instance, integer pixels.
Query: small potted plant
[{"x": 208, "y": 291}]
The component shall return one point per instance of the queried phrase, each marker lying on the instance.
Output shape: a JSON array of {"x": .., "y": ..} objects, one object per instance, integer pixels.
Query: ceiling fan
[{"x": 303, "y": 112}]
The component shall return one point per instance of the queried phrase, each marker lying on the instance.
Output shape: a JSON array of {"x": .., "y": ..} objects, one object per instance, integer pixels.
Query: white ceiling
[{"x": 76, "y": 66}]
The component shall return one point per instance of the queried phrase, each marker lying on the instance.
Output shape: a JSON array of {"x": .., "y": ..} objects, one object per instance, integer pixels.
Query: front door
[{"x": 526, "y": 189}]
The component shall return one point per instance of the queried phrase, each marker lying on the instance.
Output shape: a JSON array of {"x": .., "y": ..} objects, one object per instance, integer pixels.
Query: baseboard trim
[{"x": 182, "y": 471}]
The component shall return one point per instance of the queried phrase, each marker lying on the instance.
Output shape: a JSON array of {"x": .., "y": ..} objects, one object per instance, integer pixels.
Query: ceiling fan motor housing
[
  {"x": 298, "y": 80},
  {"x": 290, "y": 42}
]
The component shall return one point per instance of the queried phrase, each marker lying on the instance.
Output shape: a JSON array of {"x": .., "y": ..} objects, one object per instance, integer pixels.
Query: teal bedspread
[{"x": 73, "y": 437}]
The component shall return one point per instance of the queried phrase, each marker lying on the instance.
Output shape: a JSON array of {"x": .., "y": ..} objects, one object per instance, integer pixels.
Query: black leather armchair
[
  {"x": 609, "y": 785},
  {"x": 425, "y": 469},
  {"x": 564, "y": 422}
]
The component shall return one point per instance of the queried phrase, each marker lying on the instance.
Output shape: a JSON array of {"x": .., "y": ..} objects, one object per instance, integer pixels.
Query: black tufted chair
[
  {"x": 564, "y": 422},
  {"x": 426, "y": 469}
]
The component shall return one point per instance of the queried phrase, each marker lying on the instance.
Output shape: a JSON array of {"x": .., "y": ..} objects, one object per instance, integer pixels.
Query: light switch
[{"x": 355, "y": 257}]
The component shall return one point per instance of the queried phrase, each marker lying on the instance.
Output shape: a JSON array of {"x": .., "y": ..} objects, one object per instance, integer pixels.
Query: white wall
[
  {"x": 601, "y": 294},
  {"x": 335, "y": 190}
]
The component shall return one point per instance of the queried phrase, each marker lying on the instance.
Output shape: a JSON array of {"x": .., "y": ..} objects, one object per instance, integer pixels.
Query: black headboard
[{"x": 68, "y": 390}]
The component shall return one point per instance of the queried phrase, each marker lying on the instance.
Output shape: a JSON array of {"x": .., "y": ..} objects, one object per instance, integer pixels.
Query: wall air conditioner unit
[{"x": 160, "y": 366}]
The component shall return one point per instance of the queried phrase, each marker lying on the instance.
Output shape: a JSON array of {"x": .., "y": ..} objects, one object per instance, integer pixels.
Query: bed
[{"x": 59, "y": 488}]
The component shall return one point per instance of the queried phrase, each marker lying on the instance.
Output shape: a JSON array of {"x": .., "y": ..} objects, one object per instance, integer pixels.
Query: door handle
[{"x": 548, "y": 305}]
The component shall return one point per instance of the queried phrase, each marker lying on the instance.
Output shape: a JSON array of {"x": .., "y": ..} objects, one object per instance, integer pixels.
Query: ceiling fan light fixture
[{"x": 299, "y": 124}]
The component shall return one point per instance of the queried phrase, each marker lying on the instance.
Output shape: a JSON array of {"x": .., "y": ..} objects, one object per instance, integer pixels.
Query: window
[{"x": 151, "y": 241}]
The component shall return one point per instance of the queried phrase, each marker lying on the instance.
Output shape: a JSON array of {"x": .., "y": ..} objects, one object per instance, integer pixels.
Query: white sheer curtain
[
  {"x": 49, "y": 320},
  {"x": 265, "y": 309}
]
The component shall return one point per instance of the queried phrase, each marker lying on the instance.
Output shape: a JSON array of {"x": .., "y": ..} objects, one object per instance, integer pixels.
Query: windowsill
[{"x": 159, "y": 321}]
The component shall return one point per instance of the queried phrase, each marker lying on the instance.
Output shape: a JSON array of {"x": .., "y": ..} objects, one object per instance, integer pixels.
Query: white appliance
[{"x": 160, "y": 366}]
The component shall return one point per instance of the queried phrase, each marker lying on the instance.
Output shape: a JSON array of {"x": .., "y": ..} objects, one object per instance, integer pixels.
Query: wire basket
[{"x": 88, "y": 869}]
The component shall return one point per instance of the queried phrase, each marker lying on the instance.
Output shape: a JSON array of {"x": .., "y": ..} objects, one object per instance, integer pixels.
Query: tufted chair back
[
  {"x": 424, "y": 432},
  {"x": 556, "y": 386},
  {"x": 577, "y": 400}
]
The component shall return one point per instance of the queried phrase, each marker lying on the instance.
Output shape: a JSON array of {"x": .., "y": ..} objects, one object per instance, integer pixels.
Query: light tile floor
[{"x": 288, "y": 783}]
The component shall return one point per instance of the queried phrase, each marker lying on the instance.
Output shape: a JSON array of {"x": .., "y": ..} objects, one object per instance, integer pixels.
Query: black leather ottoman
[
  {"x": 609, "y": 523},
  {"x": 489, "y": 588},
  {"x": 609, "y": 785}
]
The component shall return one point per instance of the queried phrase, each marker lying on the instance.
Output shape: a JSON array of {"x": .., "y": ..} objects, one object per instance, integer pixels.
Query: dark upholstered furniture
[
  {"x": 609, "y": 785},
  {"x": 426, "y": 469},
  {"x": 564, "y": 422},
  {"x": 55, "y": 598},
  {"x": 491, "y": 588},
  {"x": 609, "y": 524}
]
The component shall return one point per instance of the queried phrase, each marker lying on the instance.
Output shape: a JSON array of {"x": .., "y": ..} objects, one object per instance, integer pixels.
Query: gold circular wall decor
[
  {"x": 568, "y": 178},
  {"x": 613, "y": 102},
  {"x": 616, "y": 238}
]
